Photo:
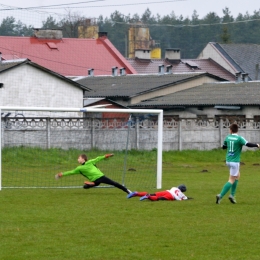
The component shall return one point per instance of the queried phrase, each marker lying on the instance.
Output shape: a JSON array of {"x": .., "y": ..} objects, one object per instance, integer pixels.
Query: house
[
  {"x": 132, "y": 89},
  {"x": 237, "y": 100},
  {"x": 26, "y": 84},
  {"x": 70, "y": 57},
  {"x": 104, "y": 102},
  {"x": 235, "y": 57},
  {"x": 172, "y": 63}
]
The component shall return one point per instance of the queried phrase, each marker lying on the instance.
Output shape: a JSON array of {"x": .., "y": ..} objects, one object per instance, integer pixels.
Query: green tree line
[{"x": 189, "y": 34}]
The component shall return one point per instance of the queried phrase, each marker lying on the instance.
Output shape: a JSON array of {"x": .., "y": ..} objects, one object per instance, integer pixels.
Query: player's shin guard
[
  {"x": 234, "y": 188},
  {"x": 225, "y": 189}
]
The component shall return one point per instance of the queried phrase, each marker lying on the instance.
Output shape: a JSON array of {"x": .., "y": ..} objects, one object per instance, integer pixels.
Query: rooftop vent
[
  {"x": 169, "y": 69},
  {"x": 242, "y": 77},
  {"x": 245, "y": 77},
  {"x": 91, "y": 72},
  {"x": 122, "y": 71},
  {"x": 192, "y": 64},
  {"x": 238, "y": 77},
  {"x": 161, "y": 69},
  {"x": 114, "y": 71},
  {"x": 51, "y": 45}
]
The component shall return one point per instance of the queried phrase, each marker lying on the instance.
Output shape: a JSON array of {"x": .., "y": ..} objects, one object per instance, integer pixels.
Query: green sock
[
  {"x": 225, "y": 189},
  {"x": 233, "y": 188}
]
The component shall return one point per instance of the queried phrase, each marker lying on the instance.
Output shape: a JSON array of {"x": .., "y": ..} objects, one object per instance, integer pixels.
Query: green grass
[{"x": 101, "y": 224}]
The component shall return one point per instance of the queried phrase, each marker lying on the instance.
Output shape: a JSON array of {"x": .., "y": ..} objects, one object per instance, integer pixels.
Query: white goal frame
[{"x": 158, "y": 112}]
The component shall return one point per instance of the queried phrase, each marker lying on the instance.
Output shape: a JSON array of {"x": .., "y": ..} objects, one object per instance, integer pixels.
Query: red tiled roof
[
  {"x": 67, "y": 56},
  {"x": 181, "y": 66}
]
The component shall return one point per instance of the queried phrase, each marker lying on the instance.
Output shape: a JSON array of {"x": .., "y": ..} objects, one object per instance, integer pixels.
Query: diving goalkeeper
[{"x": 89, "y": 170}]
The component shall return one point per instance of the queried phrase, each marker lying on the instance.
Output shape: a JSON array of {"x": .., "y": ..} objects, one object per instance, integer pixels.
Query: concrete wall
[{"x": 88, "y": 133}]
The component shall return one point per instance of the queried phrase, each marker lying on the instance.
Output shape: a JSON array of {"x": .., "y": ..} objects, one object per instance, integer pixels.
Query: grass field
[{"x": 101, "y": 224}]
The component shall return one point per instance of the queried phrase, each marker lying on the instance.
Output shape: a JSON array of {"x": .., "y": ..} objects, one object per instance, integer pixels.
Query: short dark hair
[
  {"x": 234, "y": 128},
  {"x": 84, "y": 156}
]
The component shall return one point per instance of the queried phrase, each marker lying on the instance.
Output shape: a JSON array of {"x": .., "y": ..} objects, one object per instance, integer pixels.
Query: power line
[
  {"x": 68, "y": 5},
  {"x": 44, "y": 6},
  {"x": 189, "y": 25}
]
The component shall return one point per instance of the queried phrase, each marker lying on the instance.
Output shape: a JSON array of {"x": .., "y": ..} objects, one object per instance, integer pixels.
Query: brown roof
[{"x": 181, "y": 66}]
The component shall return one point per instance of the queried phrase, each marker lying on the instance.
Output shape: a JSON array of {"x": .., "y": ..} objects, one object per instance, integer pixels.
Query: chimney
[
  {"x": 245, "y": 77},
  {"x": 101, "y": 34},
  {"x": 169, "y": 69},
  {"x": 172, "y": 54},
  {"x": 144, "y": 54},
  {"x": 91, "y": 72},
  {"x": 238, "y": 76},
  {"x": 122, "y": 71},
  {"x": 47, "y": 33},
  {"x": 114, "y": 71},
  {"x": 161, "y": 69}
]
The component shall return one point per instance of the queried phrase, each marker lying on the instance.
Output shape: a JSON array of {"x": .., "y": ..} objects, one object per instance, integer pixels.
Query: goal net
[{"x": 37, "y": 143}]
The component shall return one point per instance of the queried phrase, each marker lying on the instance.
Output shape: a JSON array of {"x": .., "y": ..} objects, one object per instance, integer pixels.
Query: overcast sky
[{"x": 94, "y": 8}]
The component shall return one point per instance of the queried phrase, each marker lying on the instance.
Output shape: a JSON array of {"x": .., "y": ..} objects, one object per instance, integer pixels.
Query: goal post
[{"x": 15, "y": 131}]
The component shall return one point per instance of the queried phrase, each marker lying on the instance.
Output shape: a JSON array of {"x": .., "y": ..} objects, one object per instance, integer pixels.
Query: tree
[
  {"x": 7, "y": 27},
  {"x": 50, "y": 23},
  {"x": 22, "y": 29},
  {"x": 70, "y": 24},
  {"x": 225, "y": 36},
  {"x": 227, "y": 17}
]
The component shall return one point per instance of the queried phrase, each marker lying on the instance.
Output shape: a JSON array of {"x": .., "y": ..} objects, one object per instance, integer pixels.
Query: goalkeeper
[
  {"x": 89, "y": 170},
  {"x": 175, "y": 193}
]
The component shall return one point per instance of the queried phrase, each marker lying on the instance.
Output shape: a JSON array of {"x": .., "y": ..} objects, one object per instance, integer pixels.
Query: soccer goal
[{"x": 38, "y": 142}]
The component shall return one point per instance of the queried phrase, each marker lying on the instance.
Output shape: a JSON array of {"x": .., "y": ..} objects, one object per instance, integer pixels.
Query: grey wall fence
[{"x": 118, "y": 133}]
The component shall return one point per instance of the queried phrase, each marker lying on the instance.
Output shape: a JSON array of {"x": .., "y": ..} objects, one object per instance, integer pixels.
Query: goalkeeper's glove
[
  {"x": 109, "y": 155},
  {"x": 58, "y": 175}
]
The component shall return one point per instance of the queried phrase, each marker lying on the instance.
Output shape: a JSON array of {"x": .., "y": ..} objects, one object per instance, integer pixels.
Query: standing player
[
  {"x": 175, "y": 193},
  {"x": 233, "y": 143},
  {"x": 89, "y": 170}
]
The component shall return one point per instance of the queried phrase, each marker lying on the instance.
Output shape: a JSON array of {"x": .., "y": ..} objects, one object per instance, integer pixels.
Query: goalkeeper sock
[
  {"x": 233, "y": 188},
  {"x": 141, "y": 194},
  {"x": 225, "y": 189}
]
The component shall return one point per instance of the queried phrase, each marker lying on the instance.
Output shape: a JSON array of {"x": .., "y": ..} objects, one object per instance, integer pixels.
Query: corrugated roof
[
  {"x": 228, "y": 93},
  {"x": 132, "y": 85},
  {"x": 70, "y": 57},
  {"x": 182, "y": 66}
]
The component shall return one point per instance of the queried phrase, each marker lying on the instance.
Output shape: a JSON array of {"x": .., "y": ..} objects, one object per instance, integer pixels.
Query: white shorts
[{"x": 233, "y": 168}]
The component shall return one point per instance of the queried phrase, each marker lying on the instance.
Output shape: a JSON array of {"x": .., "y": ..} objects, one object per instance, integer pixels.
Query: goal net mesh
[{"x": 35, "y": 148}]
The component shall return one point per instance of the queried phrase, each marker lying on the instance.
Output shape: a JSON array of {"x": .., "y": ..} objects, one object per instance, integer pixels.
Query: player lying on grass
[
  {"x": 89, "y": 170},
  {"x": 234, "y": 144},
  {"x": 175, "y": 193}
]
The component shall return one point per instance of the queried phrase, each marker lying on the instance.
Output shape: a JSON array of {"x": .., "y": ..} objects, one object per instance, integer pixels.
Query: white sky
[{"x": 94, "y": 8}]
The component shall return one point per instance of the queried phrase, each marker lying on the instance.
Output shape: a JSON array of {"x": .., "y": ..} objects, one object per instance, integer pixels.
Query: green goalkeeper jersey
[
  {"x": 234, "y": 145},
  {"x": 88, "y": 169}
]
